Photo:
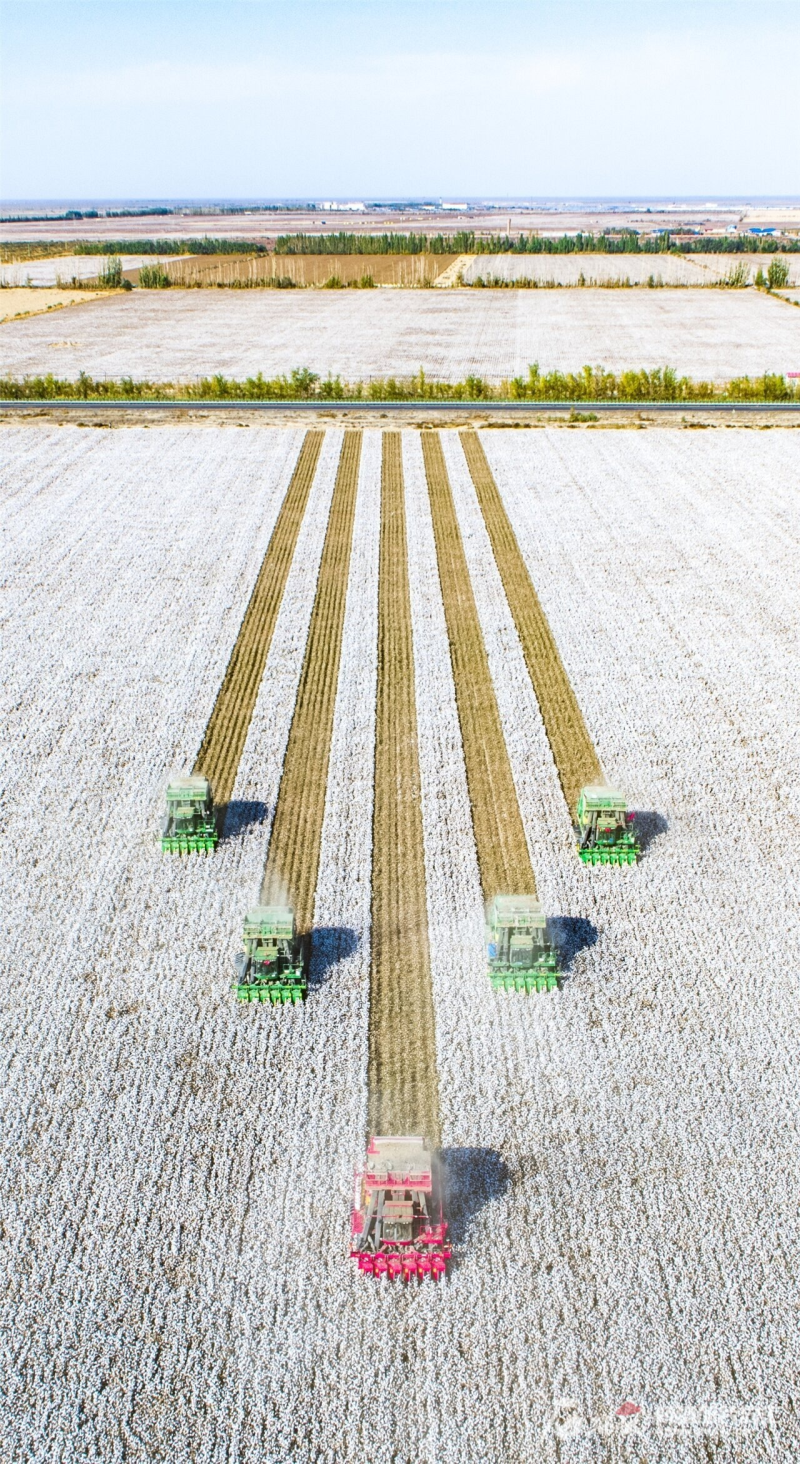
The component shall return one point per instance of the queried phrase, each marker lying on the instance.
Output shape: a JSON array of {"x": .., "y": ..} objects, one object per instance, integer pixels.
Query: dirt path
[
  {"x": 293, "y": 859},
  {"x": 573, "y": 750},
  {"x": 403, "y": 1088},
  {"x": 503, "y": 856},
  {"x": 225, "y": 735}
]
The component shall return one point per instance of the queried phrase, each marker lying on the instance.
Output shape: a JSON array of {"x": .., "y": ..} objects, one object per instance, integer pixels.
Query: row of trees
[
  {"x": 623, "y": 242},
  {"x": 591, "y": 384},
  {"x": 459, "y": 243},
  {"x": 167, "y": 246}
]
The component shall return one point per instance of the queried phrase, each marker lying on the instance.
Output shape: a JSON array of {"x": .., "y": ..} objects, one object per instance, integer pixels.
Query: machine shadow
[
  {"x": 571, "y": 934},
  {"x": 471, "y": 1179},
  {"x": 330, "y": 944},
  {"x": 236, "y": 817},
  {"x": 649, "y": 826}
]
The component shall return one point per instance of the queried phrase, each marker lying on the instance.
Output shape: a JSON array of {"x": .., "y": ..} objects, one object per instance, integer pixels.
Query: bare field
[
  {"x": 310, "y": 269},
  {"x": 620, "y": 1157},
  {"x": 16, "y": 303},
  {"x": 176, "y": 335}
]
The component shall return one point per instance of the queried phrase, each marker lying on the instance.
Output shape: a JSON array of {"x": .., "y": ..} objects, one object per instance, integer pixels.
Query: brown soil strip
[
  {"x": 293, "y": 859},
  {"x": 403, "y": 1088},
  {"x": 403, "y": 270},
  {"x": 225, "y": 735},
  {"x": 573, "y": 750},
  {"x": 503, "y": 856},
  {"x": 19, "y": 303}
]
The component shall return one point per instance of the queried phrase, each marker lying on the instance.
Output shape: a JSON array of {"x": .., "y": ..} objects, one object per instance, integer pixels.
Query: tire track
[
  {"x": 402, "y": 1079},
  {"x": 226, "y": 733},
  {"x": 293, "y": 858},
  {"x": 575, "y": 757},
  {"x": 503, "y": 857}
]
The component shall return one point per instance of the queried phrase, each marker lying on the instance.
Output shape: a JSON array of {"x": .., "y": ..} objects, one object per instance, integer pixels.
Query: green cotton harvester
[
  {"x": 190, "y": 826},
  {"x": 605, "y": 828},
  {"x": 520, "y": 954},
  {"x": 274, "y": 963}
]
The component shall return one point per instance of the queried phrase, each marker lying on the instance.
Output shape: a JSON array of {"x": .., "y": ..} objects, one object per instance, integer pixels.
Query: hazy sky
[{"x": 359, "y": 98}]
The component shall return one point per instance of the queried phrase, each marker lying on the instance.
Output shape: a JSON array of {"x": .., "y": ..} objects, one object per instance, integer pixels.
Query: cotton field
[
  {"x": 621, "y": 1154},
  {"x": 175, "y": 335},
  {"x": 44, "y": 272},
  {"x": 603, "y": 269}
]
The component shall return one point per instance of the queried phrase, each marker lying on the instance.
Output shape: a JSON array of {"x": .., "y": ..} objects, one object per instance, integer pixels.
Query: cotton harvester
[
  {"x": 274, "y": 964},
  {"x": 396, "y": 1226},
  {"x": 190, "y": 826},
  {"x": 520, "y": 954},
  {"x": 605, "y": 828}
]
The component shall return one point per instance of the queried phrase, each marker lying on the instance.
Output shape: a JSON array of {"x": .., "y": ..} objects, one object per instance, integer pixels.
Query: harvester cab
[
  {"x": 605, "y": 828},
  {"x": 520, "y": 953},
  {"x": 190, "y": 826},
  {"x": 397, "y": 1227},
  {"x": 273, "y": 965}
]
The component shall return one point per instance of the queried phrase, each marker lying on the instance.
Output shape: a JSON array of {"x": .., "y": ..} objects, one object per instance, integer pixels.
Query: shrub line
[{"x": 592, "y": 385}]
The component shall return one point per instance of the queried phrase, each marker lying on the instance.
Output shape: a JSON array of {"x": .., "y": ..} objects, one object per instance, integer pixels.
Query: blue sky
[{"x": 260, "y": 98}]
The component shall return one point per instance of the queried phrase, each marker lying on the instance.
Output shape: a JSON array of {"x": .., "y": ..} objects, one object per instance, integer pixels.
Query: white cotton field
[
  {"x": 180, "y": 335},
  {"x": 621, "y": 1155},
  {"x": 603, "y": 269},
  {"x": 44, "y": 272},
  {"x": 579, "y": 269}
]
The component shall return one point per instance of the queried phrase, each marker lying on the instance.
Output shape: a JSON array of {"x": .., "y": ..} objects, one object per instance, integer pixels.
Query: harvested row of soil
[
  {"x": 503, "y": 856},
  {"x": 226, "y": 733},
  {"x": 309, "y": 269},
  {"x": 293, "y": 858},
  {"x": 574, "y": 753},
  {"x": 402, "y": 1082}
]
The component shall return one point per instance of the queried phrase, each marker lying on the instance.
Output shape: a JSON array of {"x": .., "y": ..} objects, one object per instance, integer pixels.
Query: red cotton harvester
[{"x": 397, "y": 1225}]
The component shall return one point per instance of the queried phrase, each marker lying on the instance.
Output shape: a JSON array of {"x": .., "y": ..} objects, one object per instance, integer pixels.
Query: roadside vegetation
[{"x": 591, "y": 384}]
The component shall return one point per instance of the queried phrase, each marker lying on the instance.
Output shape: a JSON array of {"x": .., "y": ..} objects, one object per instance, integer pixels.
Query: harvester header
[
  {"x": 605, "y": 827},
  {"x": 396, "y": 1224},
  {"x": 190, "y": 825}
]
